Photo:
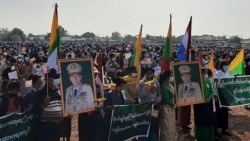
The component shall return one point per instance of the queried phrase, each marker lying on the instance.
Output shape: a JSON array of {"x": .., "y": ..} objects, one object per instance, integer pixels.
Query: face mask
[
  {"x": 26, "y": 59},
  {"x": 113, "y": 59},
  {"x": 150, "y": 77},
  {"x": 171, "y": 79},
  {"x": 206, "y": 76},
  {"x": 225, "y": 68},
  {"x": 133, "y": 74},
  {"x": 56, "y": 82},
  {"x": 19, "y": 60}
]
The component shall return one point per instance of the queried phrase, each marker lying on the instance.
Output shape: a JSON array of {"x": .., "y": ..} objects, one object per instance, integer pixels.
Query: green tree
[
  {"x": 235, "y": 39},
  {"x": 116, "y": 36},
  {"x": 47, "y": 37},
  {"x": 129, "y": 38},
  {"x": 88, "y": 35},
  {"x": 13, "y": 35},
  {"x": 4, "y": 34},
  {"x": 62, "y": 31}
]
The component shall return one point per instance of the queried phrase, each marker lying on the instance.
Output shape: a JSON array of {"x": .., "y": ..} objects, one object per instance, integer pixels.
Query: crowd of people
[{"x": 28, "y": 59}]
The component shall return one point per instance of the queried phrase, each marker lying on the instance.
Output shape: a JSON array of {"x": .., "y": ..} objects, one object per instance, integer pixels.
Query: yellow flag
[{"x": 211, "y": 63}]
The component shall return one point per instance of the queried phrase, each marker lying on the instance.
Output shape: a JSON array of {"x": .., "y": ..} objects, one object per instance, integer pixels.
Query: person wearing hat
[
  {"x": 188, "y": 91},
  {"x": 78, "y": 96},
  {"x": 46, "y": 106}
]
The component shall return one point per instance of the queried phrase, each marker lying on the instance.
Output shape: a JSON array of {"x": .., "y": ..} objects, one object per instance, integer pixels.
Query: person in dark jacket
[
  {"x": 113, "y": 98},
  {"x": 11, "y": 101},
  {"x": 88, "y": 122},
  {"x": 47, "y": 108}
]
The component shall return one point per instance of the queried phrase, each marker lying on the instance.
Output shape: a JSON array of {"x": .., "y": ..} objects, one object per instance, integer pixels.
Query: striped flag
[
  {"x": 185, "y": 46},
  {"x": 54, "y": 43},
  {"x": 201, "y": 59},
  {"x": 211, "y": 63},
  {"x": 135, "y": 61},
  {"x": 166, "y": 55},
  {"x": 237, "y": 65}
]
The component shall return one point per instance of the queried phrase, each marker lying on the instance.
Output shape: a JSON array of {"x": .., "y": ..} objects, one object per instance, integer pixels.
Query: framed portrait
[
  {"x": 188, "y": 83},
  {"x": 78, "y": 87}
]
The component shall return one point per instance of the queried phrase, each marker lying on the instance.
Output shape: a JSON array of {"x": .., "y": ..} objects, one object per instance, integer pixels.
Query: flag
[
  {"x": 237, "y": 65},
  {"x": 185, "y": 46},
  {"x": 201, "y": 59},
  {"x": 166, "y": 55},
  {"x": 135, "y": 61},
  {"x": 211, "y": 62},
  {"x": 54, "y": 42},
  {"x": 100, "y": 65},
  {"x": 99, "y": 82}
]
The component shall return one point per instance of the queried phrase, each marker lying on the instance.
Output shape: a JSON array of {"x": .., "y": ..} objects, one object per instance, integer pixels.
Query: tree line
[{"x": 17, "y": 34}]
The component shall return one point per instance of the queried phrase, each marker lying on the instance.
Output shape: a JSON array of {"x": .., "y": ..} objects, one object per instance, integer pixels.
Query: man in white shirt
[{"x": 222, "y": 112}]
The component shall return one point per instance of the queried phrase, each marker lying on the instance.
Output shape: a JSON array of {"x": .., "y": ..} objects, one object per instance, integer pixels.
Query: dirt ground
[{"x": 239, "y": 125}]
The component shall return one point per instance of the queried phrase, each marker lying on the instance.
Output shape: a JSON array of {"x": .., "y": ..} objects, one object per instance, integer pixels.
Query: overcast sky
[{"x": 213, "y": 17}]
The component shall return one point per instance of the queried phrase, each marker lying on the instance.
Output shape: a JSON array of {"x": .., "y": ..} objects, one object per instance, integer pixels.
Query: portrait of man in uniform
[
  {"x": 78, "y": 95},
  {"x": 188, "y": 91}
]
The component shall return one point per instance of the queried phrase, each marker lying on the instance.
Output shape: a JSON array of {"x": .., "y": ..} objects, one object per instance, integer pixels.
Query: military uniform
[
  {"x": 78, "y": 97},
  {"x": 187, "y": 92},
  {"x": 191, "y": 93}
]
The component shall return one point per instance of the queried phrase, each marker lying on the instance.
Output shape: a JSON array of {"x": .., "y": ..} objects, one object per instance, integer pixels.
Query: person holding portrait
[{"x": 78, "y": 96}]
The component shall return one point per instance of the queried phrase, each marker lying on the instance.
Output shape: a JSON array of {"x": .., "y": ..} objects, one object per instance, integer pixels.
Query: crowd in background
[{"x": 29, "y": 57}]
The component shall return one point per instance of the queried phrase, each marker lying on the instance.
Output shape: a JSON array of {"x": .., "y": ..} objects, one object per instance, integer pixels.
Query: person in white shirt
[{"x": 222, "y": 112}]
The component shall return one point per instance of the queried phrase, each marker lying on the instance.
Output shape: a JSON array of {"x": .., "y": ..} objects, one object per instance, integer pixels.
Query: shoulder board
[{"x": 85, "y": 85}]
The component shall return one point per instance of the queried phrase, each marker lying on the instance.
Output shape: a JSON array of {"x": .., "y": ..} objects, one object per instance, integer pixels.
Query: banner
[
  {"x": 234, "y": 91},
  {"x": 130, "y": 121},
  {"x": 17, "y": 127}
]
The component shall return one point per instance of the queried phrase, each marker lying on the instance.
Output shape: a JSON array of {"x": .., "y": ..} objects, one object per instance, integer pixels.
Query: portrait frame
[
  {"x": 192, "y": 92},
  {"x": 82, "y": 100}
]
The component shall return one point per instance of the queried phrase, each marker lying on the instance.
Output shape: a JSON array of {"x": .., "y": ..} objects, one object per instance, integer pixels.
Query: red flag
[
  {"x": 201, "y": 59},
  {"x": 185, "y": 46}
]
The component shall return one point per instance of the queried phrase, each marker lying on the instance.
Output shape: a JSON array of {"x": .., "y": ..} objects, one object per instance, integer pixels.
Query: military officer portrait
[
  {"x": 78, "y": 96},
  {"x": 188, "y": 91}
]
